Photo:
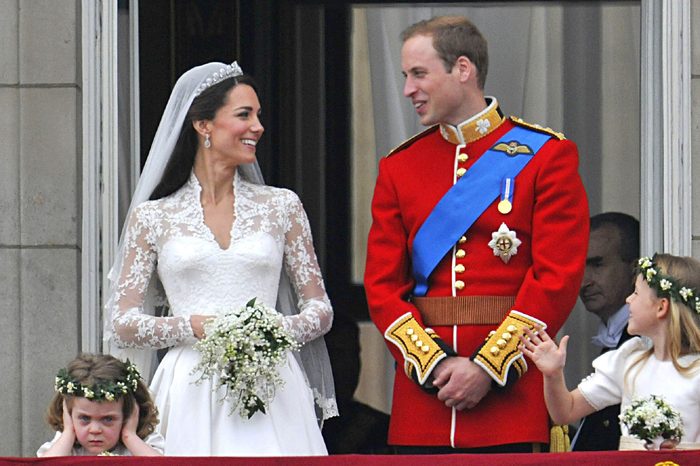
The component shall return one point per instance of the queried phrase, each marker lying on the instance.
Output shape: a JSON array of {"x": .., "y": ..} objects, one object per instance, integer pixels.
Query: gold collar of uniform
[{"x": 475, "y": 127}]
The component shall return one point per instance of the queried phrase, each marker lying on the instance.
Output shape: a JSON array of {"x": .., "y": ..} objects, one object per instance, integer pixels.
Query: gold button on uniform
[
  {"x": 462, "y": 240},
  {"x": 512, "y": 329},
  {"x": 462, "y": 158},
  {"x": 459, "y": 268},
  {"x": 460, "y": 253},
  {"x": 461, "y": 172},
  {"x": 459, "y": 284}
]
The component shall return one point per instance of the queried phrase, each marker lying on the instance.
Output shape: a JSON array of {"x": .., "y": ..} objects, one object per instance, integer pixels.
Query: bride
[{"x": 205, "y": 235}]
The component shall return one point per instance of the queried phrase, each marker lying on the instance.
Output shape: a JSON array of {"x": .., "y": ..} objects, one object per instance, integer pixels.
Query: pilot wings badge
[
  {"x": 512, "y": 148},
  {"x": 504, "y": 243}
]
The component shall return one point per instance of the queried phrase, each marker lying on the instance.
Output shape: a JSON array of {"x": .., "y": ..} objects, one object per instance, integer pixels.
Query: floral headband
[
  {"x": 104, "y": 390},
  {"x": 666, "y": 285}
]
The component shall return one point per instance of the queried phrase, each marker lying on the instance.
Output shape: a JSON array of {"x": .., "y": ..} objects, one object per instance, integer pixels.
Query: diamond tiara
[{"x": 228, "y": 71}]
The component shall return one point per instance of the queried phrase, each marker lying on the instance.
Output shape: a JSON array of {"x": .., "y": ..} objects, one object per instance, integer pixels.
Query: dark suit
[{"x": 601, "y": 430}]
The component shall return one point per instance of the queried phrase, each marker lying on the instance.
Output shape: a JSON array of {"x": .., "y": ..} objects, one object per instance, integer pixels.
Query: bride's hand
[{"x": 197, "y": 323}]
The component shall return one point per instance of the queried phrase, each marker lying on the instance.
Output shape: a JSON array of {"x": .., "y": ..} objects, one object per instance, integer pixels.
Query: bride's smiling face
[{"x": 236, "y": 127}]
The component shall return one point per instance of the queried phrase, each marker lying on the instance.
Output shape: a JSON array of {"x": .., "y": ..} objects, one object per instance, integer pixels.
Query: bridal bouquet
[
  {"x": 241, "y": 351},
  {"x": 652, "y": 419}
]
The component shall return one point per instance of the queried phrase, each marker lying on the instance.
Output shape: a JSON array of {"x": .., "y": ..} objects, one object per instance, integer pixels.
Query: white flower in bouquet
[
  {"x": 241, "y": 352},
  {"x": 650, "y": 418}
]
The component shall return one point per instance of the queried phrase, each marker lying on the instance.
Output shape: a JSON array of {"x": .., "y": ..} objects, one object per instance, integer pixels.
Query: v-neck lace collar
[{"x": 194, "y": 189}]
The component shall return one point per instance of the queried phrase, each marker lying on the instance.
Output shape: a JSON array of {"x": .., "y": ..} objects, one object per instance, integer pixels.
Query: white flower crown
[
  {"x": 665, "y": 285},
  {"x": 102, "y": 390}
]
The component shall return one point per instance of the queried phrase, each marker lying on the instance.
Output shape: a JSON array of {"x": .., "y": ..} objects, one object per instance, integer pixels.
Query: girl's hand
[
  {"x": 543, "y": 351},
  {"x": 131, "y": 423},
  {"x": 135, "y": 444},
  {"x": 67, "y": 420},
  {"x": 63, "y": 446}
]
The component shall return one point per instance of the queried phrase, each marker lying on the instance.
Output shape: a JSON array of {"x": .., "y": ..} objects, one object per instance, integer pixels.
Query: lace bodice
[{"x": 270, "y": 231}]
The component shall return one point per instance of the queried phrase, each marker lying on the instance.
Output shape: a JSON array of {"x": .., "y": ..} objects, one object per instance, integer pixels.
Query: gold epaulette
[
  {"x": 500, "y": 351},
  {"x": 412, "y": 139},
  {"x": 417, "y": 346},
  {"x": 541, "y": 129}
]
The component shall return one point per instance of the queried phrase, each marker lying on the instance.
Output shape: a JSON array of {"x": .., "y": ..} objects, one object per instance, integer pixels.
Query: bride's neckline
[{"x": 224, "y": 244}]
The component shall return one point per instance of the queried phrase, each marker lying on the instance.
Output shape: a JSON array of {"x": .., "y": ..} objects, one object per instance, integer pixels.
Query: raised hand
[
  {"x": 131, "y": 423},
  {"x": 135, "y": 444},
  {"x": 63, "y": 445},
  {"x": 68, "y": 428},
  {"x": 543, "y": 351}
]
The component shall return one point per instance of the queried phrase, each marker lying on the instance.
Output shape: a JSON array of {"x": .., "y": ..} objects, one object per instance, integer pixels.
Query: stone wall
[{"x": 40, "y": 199}]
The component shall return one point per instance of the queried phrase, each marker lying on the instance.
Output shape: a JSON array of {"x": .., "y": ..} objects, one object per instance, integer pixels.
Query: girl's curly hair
[{"x": 89, "y": 369}]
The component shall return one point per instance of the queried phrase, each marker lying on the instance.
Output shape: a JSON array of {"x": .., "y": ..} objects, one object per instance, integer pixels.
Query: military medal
[
  {"x": 506, "y": 203},
  {"x": 504, "y": 243},
  {"x": 504, "y": 206}
]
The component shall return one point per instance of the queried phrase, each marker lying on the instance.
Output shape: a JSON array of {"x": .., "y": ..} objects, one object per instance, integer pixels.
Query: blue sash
[{"x": 466, "y": 200}]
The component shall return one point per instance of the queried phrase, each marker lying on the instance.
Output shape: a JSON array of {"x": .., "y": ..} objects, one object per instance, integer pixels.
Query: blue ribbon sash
[{"x": 467, "y": 199}]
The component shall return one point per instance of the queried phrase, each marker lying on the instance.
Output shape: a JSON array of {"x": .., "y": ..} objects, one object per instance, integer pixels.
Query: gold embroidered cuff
[
  {"x": 500, "y": 351},
  {"x": 417, "y": 346}
]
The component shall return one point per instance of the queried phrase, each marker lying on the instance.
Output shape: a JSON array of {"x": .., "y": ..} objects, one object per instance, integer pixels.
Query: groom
[{"x": 480, "y": 226}]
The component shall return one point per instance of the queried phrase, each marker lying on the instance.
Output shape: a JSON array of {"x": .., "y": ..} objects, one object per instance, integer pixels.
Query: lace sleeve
[
  {"x": 315, "y": 312},
  {"x": 132, "y": 326}
]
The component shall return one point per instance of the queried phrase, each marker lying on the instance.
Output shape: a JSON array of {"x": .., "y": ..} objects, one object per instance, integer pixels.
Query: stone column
[{"x": 40, "y": 199}]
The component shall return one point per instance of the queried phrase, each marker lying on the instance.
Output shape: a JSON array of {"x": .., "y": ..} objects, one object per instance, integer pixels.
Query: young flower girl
[
  {"x": 665, "y": 312},
  {"x": 101, "y": 407}
]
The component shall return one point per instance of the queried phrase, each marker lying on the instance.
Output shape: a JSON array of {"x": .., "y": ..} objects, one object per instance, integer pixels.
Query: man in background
[{"x": 613, "y": 249}]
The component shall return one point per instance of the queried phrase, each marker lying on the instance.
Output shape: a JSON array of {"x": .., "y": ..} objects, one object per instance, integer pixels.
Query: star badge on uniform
[{"x": 504, "y": 243}]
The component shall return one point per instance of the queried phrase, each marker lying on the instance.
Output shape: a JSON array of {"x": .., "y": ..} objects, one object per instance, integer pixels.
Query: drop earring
[{"x": 207, "y": 141}]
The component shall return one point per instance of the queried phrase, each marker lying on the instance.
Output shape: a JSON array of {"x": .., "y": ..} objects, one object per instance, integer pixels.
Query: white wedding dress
[{"x": 270, "y": 231}]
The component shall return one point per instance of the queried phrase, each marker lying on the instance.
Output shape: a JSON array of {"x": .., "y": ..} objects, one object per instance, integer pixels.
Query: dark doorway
[{"x": 298, "y": 53}]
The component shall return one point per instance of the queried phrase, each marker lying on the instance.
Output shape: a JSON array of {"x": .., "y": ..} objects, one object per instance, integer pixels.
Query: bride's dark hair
[{"x": 204, "y": 107}]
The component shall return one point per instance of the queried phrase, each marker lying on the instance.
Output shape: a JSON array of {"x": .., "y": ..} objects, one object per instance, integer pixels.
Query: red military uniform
[{"x": 549, "y": 217}]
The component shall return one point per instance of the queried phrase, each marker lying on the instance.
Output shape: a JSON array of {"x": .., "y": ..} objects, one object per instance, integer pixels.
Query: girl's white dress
[
  {"x": 606, "y": 386},
  {"x": 270, "y": 231}
]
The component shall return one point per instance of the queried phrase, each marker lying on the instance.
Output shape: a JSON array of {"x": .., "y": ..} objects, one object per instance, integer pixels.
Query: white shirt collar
[{"x": 609, "y": 333}]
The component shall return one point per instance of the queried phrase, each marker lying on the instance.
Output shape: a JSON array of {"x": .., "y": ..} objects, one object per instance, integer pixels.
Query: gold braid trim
[
  {"x": 559, "y": 439},
  {"x": 541, "y": 129},
  {"x": 416, "y": 345},
  {"x": 501, "y": 351}
]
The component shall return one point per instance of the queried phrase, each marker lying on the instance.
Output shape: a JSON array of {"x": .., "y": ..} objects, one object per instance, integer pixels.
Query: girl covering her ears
[
  {"x": 101, "y": 407},
  {"x": 665, "y": 312}
]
